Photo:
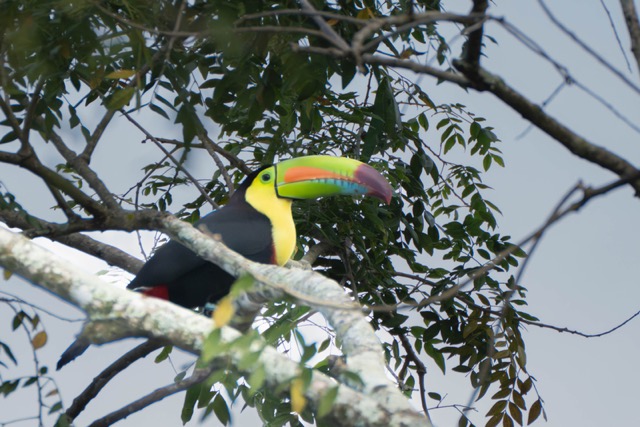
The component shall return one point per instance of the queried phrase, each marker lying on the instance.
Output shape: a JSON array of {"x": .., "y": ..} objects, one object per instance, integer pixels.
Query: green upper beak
[{"x": 311, "y": 177}]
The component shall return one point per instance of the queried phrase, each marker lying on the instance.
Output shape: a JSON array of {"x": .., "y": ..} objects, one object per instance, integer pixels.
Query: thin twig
[
  {"x": 17, "y": 300},
  {"x": 35, "y": 98},
  {"x": 179, "y": 166},
  {"x": 197, "y": 377},
  {"x": 563, "y": 71},
  {"x": 232, "y": 158},
  {"x": 83, "y": 169},
  {"x": 123, "y": 20},
  {"x": 587, "y": 48},
  {"x": 209, "y": 146},
  {"x": 615, "y": 33},
  {"x": 327, "y": 31},
  {"x": 421, "y": 370},
  {"x": 588, "y": 195},
  {"x": 280, "y": 12},
  {"x": 101, "y": 380},
  {"x": 575, "y": 332}
]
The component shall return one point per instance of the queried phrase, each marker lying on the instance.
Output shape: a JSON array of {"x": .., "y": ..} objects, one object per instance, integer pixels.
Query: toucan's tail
[{"x": 76, "y": 349}]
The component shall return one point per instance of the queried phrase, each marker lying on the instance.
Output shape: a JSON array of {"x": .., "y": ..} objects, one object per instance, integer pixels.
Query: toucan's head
[{"x": 311, "y": 177}]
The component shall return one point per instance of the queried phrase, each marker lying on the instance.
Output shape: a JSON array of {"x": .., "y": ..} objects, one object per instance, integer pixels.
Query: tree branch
[
  {"x": 81, "y": 166},
  {"x": 198, "y": 376},
  {"x": 110, "y": 254},
  {"x": 588, "y": 49},
  {"x": 473, "y": 46},
  {"x": 117, "y": 313},
  {"x": 578, "y": 145},
  {"x": 32, "y": 163},
  {"x": 98, "y": 383},
  {"x": 633, "y": 25},
  {"x": 179, "y": 166},
  {"x": 421, "y": 370},
  {"x": 582, "y": 334}
]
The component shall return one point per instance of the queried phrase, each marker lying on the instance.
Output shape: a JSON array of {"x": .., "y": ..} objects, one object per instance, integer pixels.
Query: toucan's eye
[{"x": 266, "y": 177}]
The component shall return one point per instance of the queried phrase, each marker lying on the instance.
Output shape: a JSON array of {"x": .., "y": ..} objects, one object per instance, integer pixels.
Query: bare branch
[
  {"x": 587, "y": 48},
  {"x": 101, "y": 380},
  {"x": 582, "y": 334},
  {"x": 95, "y": 137},
  {"x": 473, "y": 46},
  {"x": 80, "y": 166},
  {"x": 421, "y": 370},
  {"x": 326, "y": 29},
  {"x": 31, "y": 162},
  {"x": 209, "y": 145},
  {"x": 35, "y": 98},
  {"x": 178, "y": 165},
  {"x": 578, "y": 145},
  {"x": 633, "y": 25},
  {"x": 110, "y": 254},
  {"x": 311, "y": 12},
  {"x": 198, "y": 376},
  {"x": 232, "y": 158}
]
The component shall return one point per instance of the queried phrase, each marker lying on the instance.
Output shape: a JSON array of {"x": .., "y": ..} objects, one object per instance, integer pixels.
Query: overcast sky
[{"x": 582, "y": 276}]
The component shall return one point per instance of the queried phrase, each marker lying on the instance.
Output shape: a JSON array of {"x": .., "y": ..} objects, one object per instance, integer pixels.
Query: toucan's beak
[{"x": 311, "y": 177}]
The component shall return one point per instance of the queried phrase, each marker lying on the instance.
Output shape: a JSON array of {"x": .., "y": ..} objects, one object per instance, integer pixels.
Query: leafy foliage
[{"x": 198, "y": 63}]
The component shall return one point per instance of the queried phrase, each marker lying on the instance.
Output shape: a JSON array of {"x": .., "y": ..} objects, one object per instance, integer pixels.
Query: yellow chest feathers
[{"x": 263, "y": 198}]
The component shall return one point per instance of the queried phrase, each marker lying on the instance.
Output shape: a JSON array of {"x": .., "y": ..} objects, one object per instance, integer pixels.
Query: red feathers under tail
[{"x": 160, "y": 291}]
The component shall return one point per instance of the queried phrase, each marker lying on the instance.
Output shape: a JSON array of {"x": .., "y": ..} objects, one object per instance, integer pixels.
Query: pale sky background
[{"x": 583, "y": 275}]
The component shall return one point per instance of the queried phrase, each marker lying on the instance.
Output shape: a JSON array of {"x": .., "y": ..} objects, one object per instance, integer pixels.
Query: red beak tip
[{"x": 378, "y": 186}]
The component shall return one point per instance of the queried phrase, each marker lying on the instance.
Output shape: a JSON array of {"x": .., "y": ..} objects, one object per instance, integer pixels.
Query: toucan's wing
[{"x": 245, "y": 231}]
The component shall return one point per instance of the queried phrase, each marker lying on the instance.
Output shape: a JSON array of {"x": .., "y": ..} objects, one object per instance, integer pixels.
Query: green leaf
[
  {"x": 190, "y": 399},
  {"x": 120, "y": 74},
  {"x": 497, "y": 408},
  {"x": 164, "y": 354},
  {"x": 507, "y": 421},
  {"x": 326, "y": 402},
  {"x": 493, "y": 421},
  {"x": 18, "y": 319},
  {"x": 212, "y": 345},
  {"x": 55, "y": 408},
  {"x": 63, "y": 421},
  {"x": 486, "y": 162},
  {"x": 243, "y": 284},
  {"x": 9, "y": 353},
  {"x": 257, "y": 377},
  {"x": 534, "y": 411},
  {"x": 435, "y": 396},
  {"x": 221, "y": 409},
  {"x": 436, "y": 356},
  {"x": 120, "y": 98},
  {"x": 516, "y": 413}
]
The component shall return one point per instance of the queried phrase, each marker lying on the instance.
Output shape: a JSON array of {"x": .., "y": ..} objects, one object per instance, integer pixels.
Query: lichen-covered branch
[
  {"x": 117, "y": 313},
  {"x": 360, "y": 345}
]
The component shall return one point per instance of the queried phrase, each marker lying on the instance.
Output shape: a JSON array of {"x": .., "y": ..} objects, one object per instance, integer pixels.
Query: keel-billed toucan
[{"x": 256, "y": 222}]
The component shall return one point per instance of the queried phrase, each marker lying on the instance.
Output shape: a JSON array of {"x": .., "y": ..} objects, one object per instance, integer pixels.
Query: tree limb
[
  {"x": 98, "y": 383},
  {"x": 633, "y": 25},
  {"x": 197, "y": 377},
  {"x": 578, "y": 145},
  {"x": 117, "y": 313},
  {"x": 473, "y": 46}
]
